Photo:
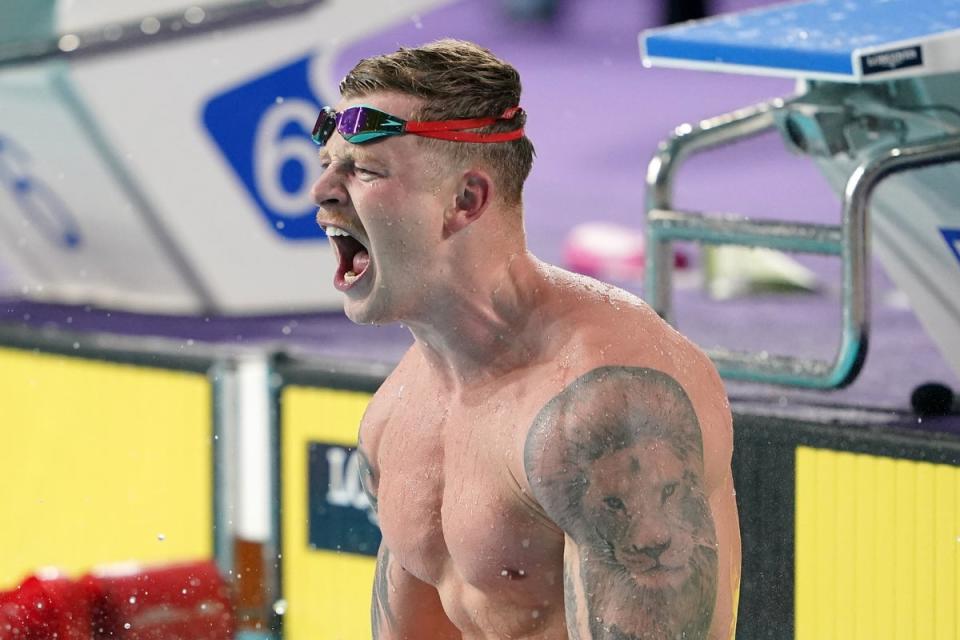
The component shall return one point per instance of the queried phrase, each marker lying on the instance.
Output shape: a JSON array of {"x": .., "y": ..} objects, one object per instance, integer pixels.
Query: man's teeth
[
  {"x": 334, "y": 231},
  {"x": 350, "y": 277}
]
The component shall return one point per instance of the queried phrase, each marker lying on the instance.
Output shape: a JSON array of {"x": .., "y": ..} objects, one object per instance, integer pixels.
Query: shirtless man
[{"x": 549, "y": 460}]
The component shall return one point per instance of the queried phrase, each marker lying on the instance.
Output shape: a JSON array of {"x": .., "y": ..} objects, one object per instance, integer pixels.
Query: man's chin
[
  {"x": 355, "y": 315},
  {"x": 363, "y": 313}
]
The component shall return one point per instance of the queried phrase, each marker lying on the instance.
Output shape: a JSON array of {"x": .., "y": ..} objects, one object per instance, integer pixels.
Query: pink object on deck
[{"x": 605, "y": 251}]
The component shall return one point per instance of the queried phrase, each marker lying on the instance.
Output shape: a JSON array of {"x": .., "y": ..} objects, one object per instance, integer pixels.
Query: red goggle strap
[
  {"x": 469, "y": 136},
  {"x": 454, "y": 129}
]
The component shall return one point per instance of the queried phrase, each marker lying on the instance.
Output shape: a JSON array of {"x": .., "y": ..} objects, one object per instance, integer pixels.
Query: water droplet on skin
[
  {"x": 126, "y": 625},
  {"x": 535, "y": 614},
  {"x": 133, "y": 599}
]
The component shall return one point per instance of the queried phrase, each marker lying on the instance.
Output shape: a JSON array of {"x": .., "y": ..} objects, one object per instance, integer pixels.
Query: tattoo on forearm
[
  {"x": 381, "y": 614},
  {"x": 617, "y": 460}
]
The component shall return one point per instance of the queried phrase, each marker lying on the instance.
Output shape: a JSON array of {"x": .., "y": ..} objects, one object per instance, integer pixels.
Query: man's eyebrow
[
  {"x": 364, "y": 156},
  {"x": 350, "y": 158}
]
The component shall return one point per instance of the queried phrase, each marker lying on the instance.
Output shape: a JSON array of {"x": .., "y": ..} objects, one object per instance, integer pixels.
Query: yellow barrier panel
[
  {"x": 876, "y": 547},
  {"x": 102, "y": 463},
  {"x": 327, "y": 589}
]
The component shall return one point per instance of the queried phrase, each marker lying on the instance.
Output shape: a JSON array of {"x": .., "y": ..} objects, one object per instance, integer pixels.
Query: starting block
[{"x": 878, "y": 97}]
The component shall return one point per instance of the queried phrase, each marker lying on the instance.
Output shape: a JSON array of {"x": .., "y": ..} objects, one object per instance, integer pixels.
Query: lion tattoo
[{"x": 620, "y": 461}]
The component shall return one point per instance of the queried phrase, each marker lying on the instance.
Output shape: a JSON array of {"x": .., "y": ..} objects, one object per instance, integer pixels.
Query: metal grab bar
[
  {"x": 731, "y": 229},
  {"x": 688, "y": 140},
  {"x": 849, "y": 240}
]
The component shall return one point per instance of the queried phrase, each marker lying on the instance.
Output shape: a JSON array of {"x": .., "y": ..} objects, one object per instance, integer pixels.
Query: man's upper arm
[
  {"x": 404, "y": 608},
  {"x": 616, "y": 459}
]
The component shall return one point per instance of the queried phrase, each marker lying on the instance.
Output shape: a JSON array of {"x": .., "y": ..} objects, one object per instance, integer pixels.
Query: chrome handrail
[
  {"x": 849, "y": 240},
  {"x": 685, "y": 141}
]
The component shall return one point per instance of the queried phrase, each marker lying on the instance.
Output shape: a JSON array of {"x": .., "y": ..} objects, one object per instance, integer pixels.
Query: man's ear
[{"x": 473, "y": 195}]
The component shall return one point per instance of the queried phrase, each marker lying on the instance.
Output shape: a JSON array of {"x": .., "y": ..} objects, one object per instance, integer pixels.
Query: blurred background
[{"x": 180, "y": 391}]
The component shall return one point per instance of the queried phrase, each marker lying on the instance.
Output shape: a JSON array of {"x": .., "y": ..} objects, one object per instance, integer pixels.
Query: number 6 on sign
[{"x": 285, "y": 163}]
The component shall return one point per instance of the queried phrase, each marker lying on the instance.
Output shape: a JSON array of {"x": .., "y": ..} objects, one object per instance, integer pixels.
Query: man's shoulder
[
  {"x": 612, "y": 390},
  {"x": 606, "y": 410},
  {"x": 674, "y": 397},
  {"x": 672, "y": 388},
  {"x": 610, "y": 328},
  {"x": 609, "y": 320}
]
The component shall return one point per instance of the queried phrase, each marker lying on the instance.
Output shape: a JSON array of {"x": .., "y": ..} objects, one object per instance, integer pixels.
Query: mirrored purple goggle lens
[
  {"x": 351, "y": 123},
  {"x": 352, "y": 120}
]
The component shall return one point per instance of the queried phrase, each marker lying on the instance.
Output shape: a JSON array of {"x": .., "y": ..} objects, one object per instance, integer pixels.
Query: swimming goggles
[{"x": 362, "y": 124}]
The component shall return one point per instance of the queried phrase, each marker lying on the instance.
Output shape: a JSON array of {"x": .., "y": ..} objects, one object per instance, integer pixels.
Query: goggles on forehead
[{"x": 363, "y": 124}]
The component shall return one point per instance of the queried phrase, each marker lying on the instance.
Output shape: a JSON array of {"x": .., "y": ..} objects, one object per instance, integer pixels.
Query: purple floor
[{"x": 584, "y": 64}]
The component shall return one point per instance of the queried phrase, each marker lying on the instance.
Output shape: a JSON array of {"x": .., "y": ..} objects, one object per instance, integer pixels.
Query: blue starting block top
[{"x": 840, "y": 40}]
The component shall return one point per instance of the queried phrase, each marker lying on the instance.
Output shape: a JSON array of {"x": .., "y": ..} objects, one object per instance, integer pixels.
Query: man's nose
[{"x": 328, "y": 189}]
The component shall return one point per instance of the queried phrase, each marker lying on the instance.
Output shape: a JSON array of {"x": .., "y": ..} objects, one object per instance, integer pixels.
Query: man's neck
[{"x": 486, "y": 326}]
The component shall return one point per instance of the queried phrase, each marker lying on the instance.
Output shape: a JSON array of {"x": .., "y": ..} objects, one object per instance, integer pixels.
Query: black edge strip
[
  {"x": 878, "y": 439},
  {"x": 339, "y": 374},
  {"x": 163, "y": 353}
]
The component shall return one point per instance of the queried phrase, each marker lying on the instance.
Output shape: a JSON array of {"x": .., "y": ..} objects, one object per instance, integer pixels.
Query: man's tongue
[
  {"x": 361, "y": 260},
  {"x": 359, "y": 264}
]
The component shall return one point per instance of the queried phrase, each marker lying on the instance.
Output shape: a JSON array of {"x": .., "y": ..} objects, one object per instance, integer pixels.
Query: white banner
[{"x": 174, "y": 177}]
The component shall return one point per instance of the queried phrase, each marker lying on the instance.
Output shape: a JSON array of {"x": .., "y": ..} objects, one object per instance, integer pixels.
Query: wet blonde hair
[{"x": 455, "y": 79}]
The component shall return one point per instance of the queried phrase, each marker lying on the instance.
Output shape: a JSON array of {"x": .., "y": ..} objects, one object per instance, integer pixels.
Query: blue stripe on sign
[{"x": 952, "y": 236}]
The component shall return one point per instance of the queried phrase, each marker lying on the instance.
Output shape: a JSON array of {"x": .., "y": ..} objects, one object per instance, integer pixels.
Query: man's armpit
[{"x": 616, "y": 459}]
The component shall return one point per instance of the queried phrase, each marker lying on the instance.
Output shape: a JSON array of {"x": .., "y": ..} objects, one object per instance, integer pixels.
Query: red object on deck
[
  {"x": 182, "y": 602},
  {"x": 45, "y": 608}
]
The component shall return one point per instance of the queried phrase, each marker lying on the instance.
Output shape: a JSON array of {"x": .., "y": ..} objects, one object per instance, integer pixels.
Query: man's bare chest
[{"x": 453, "y": 497}]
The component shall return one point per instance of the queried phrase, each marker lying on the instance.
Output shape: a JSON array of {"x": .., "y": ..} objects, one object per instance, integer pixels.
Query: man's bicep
[{"x": 616, "y": 460}]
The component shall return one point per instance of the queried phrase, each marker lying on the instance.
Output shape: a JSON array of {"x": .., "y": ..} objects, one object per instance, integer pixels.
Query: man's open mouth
[{"x": 353, "y": 258}]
